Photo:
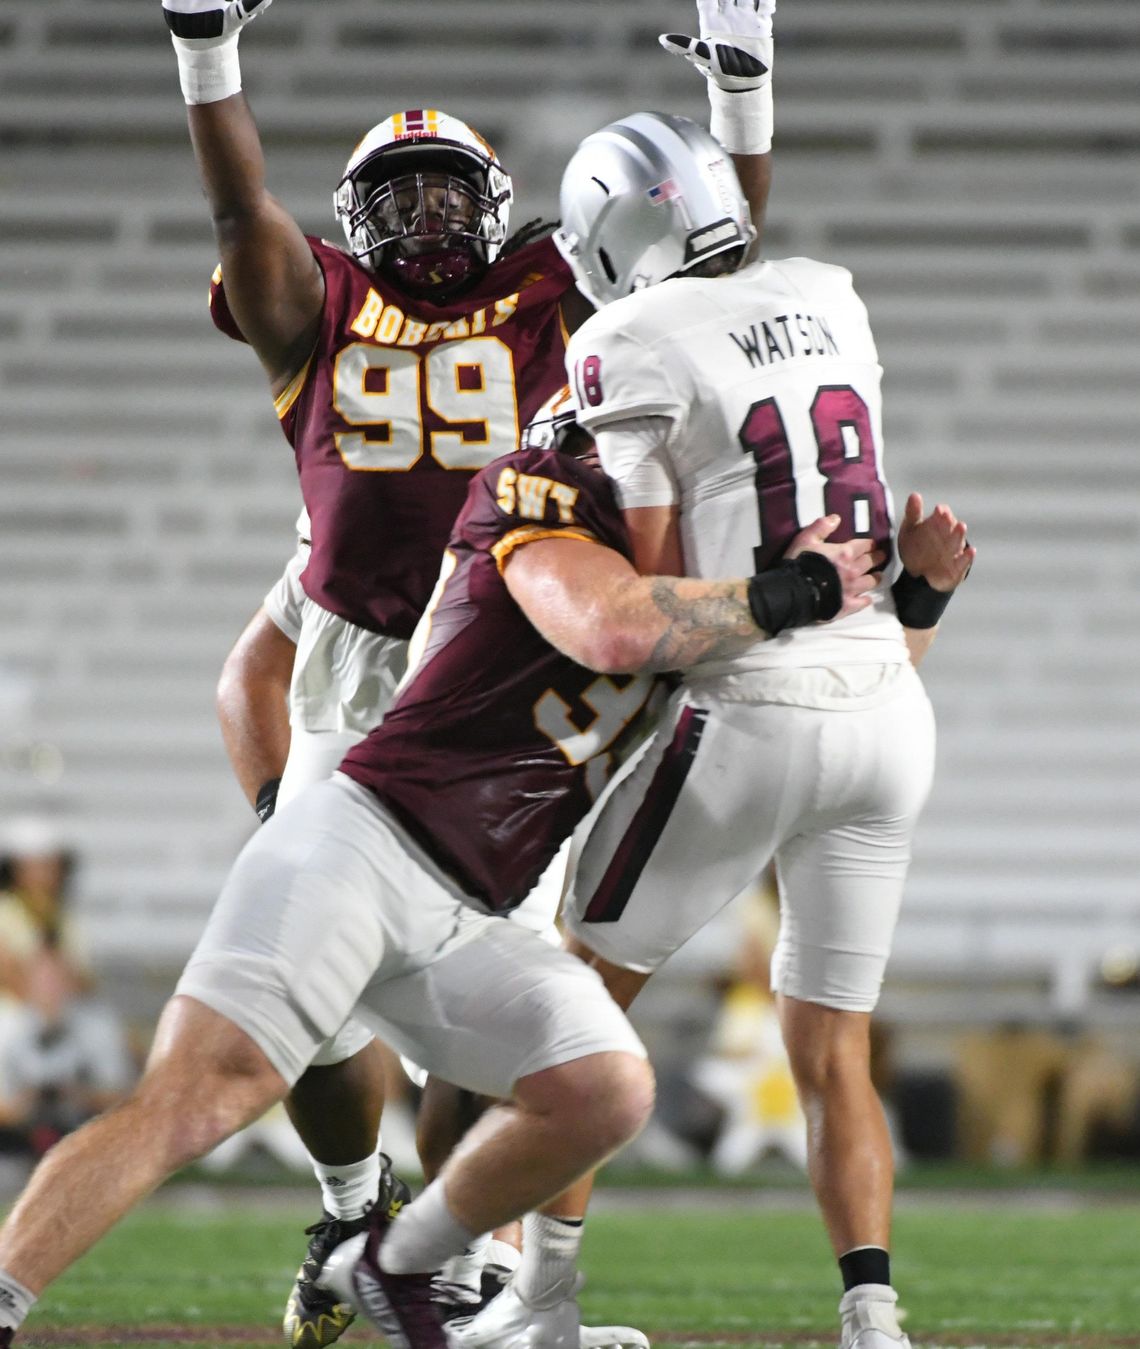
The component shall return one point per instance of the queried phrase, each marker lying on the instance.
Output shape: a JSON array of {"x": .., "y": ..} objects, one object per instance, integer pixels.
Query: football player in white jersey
[{"x": 732, "y": 402}]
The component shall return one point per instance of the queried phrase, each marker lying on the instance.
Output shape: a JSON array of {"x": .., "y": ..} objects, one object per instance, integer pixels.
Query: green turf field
[{"x": 985, "y": 1270}]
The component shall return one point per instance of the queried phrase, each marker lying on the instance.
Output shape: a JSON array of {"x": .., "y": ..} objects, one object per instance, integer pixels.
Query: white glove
[
  {"x": 734, "y": 54},
  {"x": 209, "y": 23},
  {"x": 205, "y": 35},
  {"x": 734, "y": 50}
]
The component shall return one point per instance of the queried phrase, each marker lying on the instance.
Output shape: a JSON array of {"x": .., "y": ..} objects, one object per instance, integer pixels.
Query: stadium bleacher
[{"x": 975, "y": 166}]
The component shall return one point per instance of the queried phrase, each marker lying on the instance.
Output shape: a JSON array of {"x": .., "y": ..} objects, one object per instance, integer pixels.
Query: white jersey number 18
[{"x": 844, "y": 457}]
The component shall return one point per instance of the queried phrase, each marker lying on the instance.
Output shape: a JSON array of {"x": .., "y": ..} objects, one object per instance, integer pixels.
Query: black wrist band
[
  {"x": 267, "y": 799},
  {"x": 917, "y": 603},
  {"x": 795, "y": 591}
]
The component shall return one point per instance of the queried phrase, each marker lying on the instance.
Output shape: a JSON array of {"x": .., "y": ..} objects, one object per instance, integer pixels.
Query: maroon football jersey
[
  {"x": 497, "y": 745},
  {"x": 400, "y": 403}
]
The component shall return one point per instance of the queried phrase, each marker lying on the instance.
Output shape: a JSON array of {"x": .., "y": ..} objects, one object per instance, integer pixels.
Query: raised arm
[
  {"x": 274, "y": 287},
  {"x": 734, "y": 53},
  {"x": 590, "y": 603}
]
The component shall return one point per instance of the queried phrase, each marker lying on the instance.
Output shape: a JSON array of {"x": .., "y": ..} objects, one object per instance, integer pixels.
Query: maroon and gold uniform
[
  {"x": 497, "y": 744},
  {"x": 399, "y": 404}
]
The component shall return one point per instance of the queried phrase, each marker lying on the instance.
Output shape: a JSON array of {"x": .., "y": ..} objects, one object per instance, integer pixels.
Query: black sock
[{"x": 865, "y": 1264}]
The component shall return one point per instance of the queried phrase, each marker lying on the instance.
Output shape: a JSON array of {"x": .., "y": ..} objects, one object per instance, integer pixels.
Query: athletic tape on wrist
[
  {"x": 208, "y": 74},
  {"x": 742, "y": 122},
  {"x": 794, "y": 592},
  {"x": 917, "y": 603}
]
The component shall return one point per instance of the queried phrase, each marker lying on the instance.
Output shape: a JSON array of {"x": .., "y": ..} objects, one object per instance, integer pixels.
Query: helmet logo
[{"x": 415, "y": 122}]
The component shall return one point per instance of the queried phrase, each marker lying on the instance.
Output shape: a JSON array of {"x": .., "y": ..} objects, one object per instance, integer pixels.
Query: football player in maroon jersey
[
  {"x": 396, "y": 373},
  {"x": 398, "y": 369},
  {"x": 527, "y": 668}
]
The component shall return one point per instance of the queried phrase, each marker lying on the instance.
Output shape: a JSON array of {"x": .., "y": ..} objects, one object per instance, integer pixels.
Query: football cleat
[
  {"x": 510, "y": 1323},
  {"x": 400, "y": 1306},
  {"x": 611, "y": 1337},
  {"x": 454, "y": 1301},
  {"x": 313, "y": 1317},
  {"x": 492, "y": 1281},
  {"x": 869, "y": 1320}
]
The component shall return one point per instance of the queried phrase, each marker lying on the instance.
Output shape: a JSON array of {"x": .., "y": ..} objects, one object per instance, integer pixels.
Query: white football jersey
[{"x": 764, "y": 387}]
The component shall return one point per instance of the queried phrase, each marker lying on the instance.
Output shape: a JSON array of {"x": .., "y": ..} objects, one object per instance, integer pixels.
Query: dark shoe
[
  {"x": 492, "y": 1281},
  {"x": 314, "y": 1317},
  {"x": 454, "y": 1301}
]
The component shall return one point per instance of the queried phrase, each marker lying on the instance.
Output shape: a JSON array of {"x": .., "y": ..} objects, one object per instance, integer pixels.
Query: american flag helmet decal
[{"x": 666, "y": 190}]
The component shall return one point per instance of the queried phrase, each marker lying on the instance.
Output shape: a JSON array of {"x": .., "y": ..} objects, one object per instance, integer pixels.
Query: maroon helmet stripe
[{"x": 610, "y": 898}]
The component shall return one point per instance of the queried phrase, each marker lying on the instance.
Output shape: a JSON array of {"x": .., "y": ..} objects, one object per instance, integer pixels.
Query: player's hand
[
  {"x": 734, "y": 49},
  {"x": 935, "y": 548},
  {"x": 855, "y": 561},
  {"x": 207, "y": 23}
]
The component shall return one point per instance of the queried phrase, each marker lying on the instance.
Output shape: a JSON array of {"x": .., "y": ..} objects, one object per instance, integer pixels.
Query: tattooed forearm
[{"x": 701, "y": 620}]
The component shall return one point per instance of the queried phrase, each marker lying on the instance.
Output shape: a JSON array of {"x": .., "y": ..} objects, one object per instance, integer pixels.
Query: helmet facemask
[{"x": 555, "y": 427}]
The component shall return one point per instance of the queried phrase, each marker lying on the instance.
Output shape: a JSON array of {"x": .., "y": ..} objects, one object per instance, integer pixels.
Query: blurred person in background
[
  {"x": 745, "y": 1069},
  {"x": 64, "y": 1052},
  {"x": 36, "y": 871}
]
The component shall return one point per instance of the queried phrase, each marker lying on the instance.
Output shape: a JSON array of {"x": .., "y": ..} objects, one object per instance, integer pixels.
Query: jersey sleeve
[
  {"x": 329, "y": 256},
  {"x": 535, "y": 495},
  {"x": 220, "y": 308},
  {"x": 615, "y": 375},
  {"x": 636, "y": 458}
]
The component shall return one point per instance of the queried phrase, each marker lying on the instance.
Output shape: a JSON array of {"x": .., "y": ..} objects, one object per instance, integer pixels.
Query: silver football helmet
[{"x": 646, "y": 198}]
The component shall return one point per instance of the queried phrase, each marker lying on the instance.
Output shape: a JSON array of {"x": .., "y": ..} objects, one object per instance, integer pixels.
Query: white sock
[
  {"x": 549, "y": 1266},
  {"x": 424, "y": 1235},
  {"x": 466, "y": 1269},
  {"x": 349, "y": 1191},
  {"x": 16, "y": 1301}
]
